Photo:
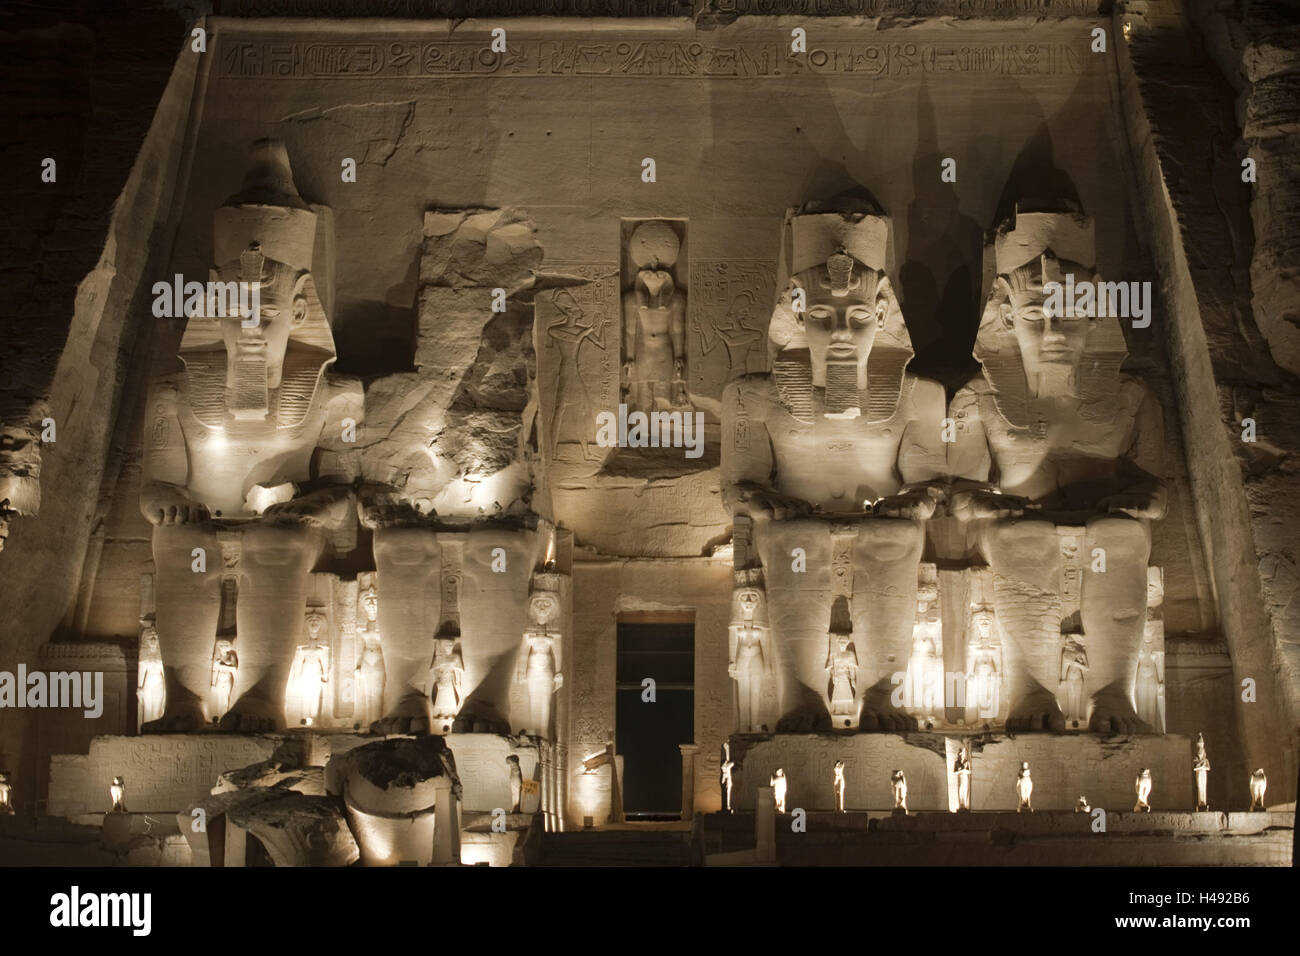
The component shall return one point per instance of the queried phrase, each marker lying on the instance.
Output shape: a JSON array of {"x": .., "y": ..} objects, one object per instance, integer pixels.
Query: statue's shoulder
[
  {"x": 1133, "y": 391},
  {"x": 924, "y": 391},
  {"x": 969, "y": 397}
]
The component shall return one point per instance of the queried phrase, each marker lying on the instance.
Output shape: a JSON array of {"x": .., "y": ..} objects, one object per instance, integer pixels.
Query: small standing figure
[
  {"x": 1082, "y": 806},
  {"x": 447, "y": 675},
  {"x": 778, "y": 789},
  {"x": 538, "y": 667},
  {"x": 961, "y": 767},
  {"x": 727, "y": 766},
  {"x": 1201, "y": 768},
  {"x": 370, "y": 675},
  {"x": 6, "y": 796},
  {"x": 118, "y": 792},
  {"x": 1258, "y": 784},
  {"x": 839, "y": 786},
  {"x": 310, "y": 672},
  {"x": 654, "y": 322},
  {"x": 1074, "y": 672},
  {"x": 842, "y": 662},
  {"x": 516, "y": 783},
  {"x": 225, "y": 665},
  {"x": 1143, "y": 787},
  {"x": 151, "y": 687},
  {"x": 900, "y": 791},
  {"x": 1024, "y": 788}
]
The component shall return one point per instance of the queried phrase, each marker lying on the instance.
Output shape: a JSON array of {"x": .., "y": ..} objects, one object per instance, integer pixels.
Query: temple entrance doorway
[{"x": 653, "y": 720}]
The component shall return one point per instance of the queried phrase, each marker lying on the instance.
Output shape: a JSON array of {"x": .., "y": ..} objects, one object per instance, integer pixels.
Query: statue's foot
[
  {"x": 178, "y": 720},
  {"x": 1037, "y": 713},
  {"x": 250, "y": 716},
  {"x": 410, "y": 716},
  {"x": 1114, "y": 715},
  {"x": 878, "y": 719}
]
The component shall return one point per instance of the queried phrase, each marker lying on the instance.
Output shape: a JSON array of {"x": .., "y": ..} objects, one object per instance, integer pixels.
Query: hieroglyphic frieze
[
  {"x": 279, "y": 58},
  {"x": 727, "y": 336}
]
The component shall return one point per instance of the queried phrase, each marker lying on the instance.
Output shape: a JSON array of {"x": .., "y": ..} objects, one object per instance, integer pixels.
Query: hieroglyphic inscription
[
  {"x": 731, "y": 301},
  {"x": 278, "y": 58}
]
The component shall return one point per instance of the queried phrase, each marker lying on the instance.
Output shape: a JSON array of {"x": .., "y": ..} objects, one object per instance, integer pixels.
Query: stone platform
[
  {"x": 165, "y": 773},
  {"x": 1063, "y": 767},
  {"x": 1045, "y": 838}
]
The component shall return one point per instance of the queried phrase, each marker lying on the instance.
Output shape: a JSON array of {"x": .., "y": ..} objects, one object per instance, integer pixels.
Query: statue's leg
[
  {"x": 408, "y": 563},
  {"x": 188, "y": 609},
  {"x": 275, "y": 564},
  {"x": 1113, "y": 611},
  {"x": 886, "y": 559},
  {"x": 1026, "y": 559},
  {"x": 799, "y": 608}
]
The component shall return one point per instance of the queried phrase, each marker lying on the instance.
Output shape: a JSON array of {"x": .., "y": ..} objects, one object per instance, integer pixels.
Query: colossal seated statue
[
  {"x": 829, "y": 456},
  {"x": 1058, "y": 461},
  {"x": 247, "y": 440}
]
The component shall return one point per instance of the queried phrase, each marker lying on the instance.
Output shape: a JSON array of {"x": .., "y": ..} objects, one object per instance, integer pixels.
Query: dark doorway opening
[{"x": 648, "y": 732}]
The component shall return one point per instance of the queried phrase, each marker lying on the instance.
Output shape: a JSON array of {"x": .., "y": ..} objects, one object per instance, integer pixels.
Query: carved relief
[
  {"x": 729, "y": 307},
  {"x": 577, "y": 344}
]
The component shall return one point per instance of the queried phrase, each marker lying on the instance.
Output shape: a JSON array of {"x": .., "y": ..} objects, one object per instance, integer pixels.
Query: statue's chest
[{"x": 1045, "y": 437}]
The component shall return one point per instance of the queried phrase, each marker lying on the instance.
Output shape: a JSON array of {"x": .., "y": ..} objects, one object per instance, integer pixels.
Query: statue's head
[
  {"x": 149, "y": 637},
  {"x": 748, "y": 606},
  {"x": 315, "y": 622},
  {"x": 847, "y": 303},
  {"x": 982, "y": 623},
  {"x": 225, "y": 650},
  {"x": 119, "y": 782},
  {"x": 1028, "y": 338},
  {"x": 842, "y": 642},
  {"x": 370, "y": 601},
  {"x": 266, "y": 234},
  {"x": 543, "y": 607},
  {"x": 654, "y": 245}
]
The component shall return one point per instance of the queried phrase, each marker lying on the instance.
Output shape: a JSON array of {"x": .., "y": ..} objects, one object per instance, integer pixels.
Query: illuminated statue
[
  {"x": 117, "y": 791},
  {"x": 751, "y": 656},
  {"x": 838, "y": 449},
  {"x": 728, "y": 765},
  {"x": 1149, "y": 687},
  {"x": 1024, "y": 788},
  {"x": 369, "y": 678},
  {"x": 6, "y": 795},
  {"x": 225, "y": 667},
  {"x": 654, "y": 322},
  {"x": 1058, "y": 458},
  {"x": 251, "y": 438},
  {"x": 309, "y": 673},
  {"x": 1201, "y": 770},
  {"x": 1258, "y": 784},
  {"x": 925, "y": 664},
  {"x": 538, "y": 663},
  {"x": 842, "y": 662},
  {"x": 838, "y": 785},
  {"x": 516, "y": 782},
  {"x": 447, "y": 679},
  {"x": 778, "y": 784},
  {"x": 962, "y": 768},
  {"x": 151, "y": 686},
  {"x": 1143, "y": 788},
  {"x": 899, "y": 783},
  {"x": 1074, "y": 673},
  {"x": 983, "y": 669}
]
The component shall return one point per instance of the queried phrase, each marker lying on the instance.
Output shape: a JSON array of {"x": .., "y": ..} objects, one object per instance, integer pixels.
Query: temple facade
[{"x": 679, "y": 415}]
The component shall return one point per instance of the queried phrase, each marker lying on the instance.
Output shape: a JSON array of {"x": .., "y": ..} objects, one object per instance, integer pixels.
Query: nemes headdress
[
  {"x": 270, "y": 231},
  {"x": 851, "y": 239},
  {"x": 1026, "y": 251}
]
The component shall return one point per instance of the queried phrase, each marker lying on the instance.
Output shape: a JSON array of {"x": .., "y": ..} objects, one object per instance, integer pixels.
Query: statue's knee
[
  {"x": 1121, "y": 537},
  {"x": 405, "y": 547},
  {"x": 1022, "y": 542},
  {"x": 892, "y": 540},
  {"x": 280, "y": 546}
]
